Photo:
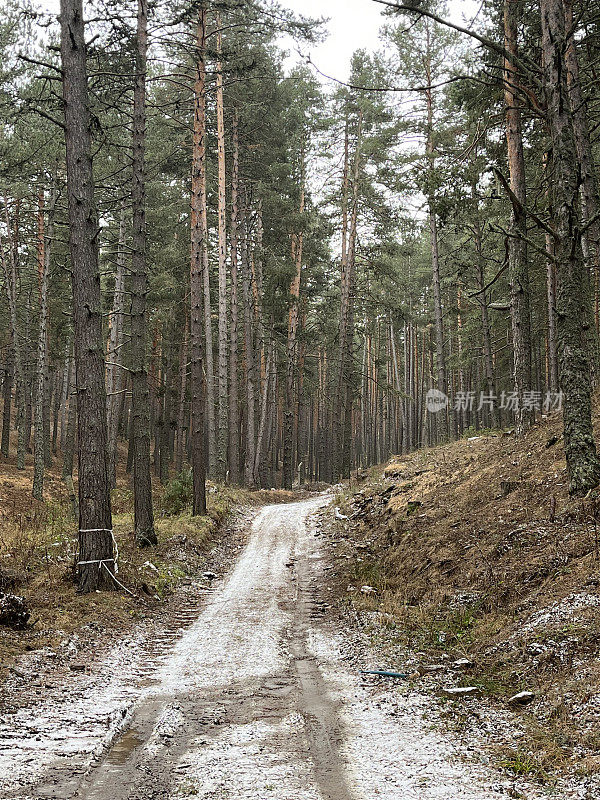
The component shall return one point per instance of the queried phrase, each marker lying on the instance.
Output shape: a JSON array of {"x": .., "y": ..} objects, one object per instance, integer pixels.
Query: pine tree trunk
[
  {"x": 234, "y": 412},
  {"x": 199, "y": 255},
  {"x": 338, "y": 432},
  {"x": 115, "y": 375},
  {"x": 7, "y": 400},
  {"x": 553, "y": 380},
  {"x": 291, "y": 355},
  {"x": 68, "y": 447},
  {"x": 262, "y": 437},
  {"x": 96, "y": 555},
  {"x": 590, "y": 207},
  {"x": 43, "y": 257},
  {"x": 249, "y": 359},
  {"x": 517, "y": 245},
  {"x": 583, "y": 464},
  {"x": 442, "y": 420},
  {"x": 346, "y": 329},
  {"x": 65, "y": 393},
  {"x": 165, "y": 411},
  {"x": 11, "y": 270},
  {"x": 56, "y": 406},
  {"x": 581, "y": 129},
  {"x": 488, "y": 357},
  {"x": 222, "y": 230},
  {"x": 142, "y": 482},
  {"x": 346, "y": 462},
  {"x": 181, "y": 423}
]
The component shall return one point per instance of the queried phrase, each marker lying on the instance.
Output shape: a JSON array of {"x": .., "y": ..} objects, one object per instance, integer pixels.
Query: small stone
[
  {"x": 19, "y": 673},
  {"x": 368, "y": 590},
  {"x": 77, "y": 667},
  {"x": 459, "y": 692},
  {"x": 521, "y": 699},
  {"x": 462, "y": 663},
  {"x": 431, "y": 668}
]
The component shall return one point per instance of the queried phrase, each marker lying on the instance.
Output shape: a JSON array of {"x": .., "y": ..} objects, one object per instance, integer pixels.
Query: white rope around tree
[{"x": 102, "y": 562}]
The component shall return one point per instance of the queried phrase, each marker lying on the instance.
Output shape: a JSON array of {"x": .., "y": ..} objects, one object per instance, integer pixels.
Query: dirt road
[{"x": 253, "y": 700}]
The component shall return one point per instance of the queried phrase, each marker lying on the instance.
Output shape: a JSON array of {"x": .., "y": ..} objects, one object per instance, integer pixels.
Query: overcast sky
[{"x": 354, "y": 24}]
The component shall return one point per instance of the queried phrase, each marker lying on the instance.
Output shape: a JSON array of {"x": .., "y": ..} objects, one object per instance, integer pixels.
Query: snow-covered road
[{"x": 253, "y": 700}]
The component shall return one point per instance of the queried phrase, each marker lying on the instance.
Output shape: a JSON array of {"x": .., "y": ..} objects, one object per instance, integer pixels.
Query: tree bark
[
  {"x": 142, "y": 482},
  {"x": 583, "y": 464},
  {"x": 68, "y": 448},
  {"x": 553, "y": 380},
  {"x": 442, "y": 418},
  {"x": 222, "y": 234},
  {"x": 115, "y": 374},
  {"x": 581, "y": 129},
  {"x": 292, "y": 346},
  {"x": 11, "y": 270},
  {"x": 517, "y": 245},
  {"x": 6, "y": 409},
  {"x": 199, "y": 255},
  {"x": 45, "y": 237},
  {"x": 96, "y": 557},
  {"x": 249, "y": 356},
  {"x": 181, "y": 426},
  {"x": 234, "y": 411},
  {"x": 488, "y": 357},
  {"x": 346, "y": 328}
]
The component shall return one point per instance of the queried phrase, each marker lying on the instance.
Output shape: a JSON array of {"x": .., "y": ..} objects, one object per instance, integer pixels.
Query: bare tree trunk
[
  {"x": 249, "y": 359},
  {"x": 292, "y": 346},
  {"x": 517, "y": 245},
  {"x": 11, "y": 269},
  {"x": 581, "y": 128},
  {"x": 488, "y": 357},
  {"x": 442, "y": 419},
  {"x": 553, "y": 380},
  {"x": 338, "y": 432},
  {"x": 208, "y": 336},
  {"x": 7, "y": 391},
  {"x": 300, "y": 426},
  {"x": 165, "y": 400},
  {"x": 262, "y": 437},
  {"x": 583, "y": 464},
  {"x": 96, "y": 557},
  {"x": 222, "y": 227},
  {"x": 68, "y": 448},
  {"x": 199, "y": 256},
  {"x": 142, "y": 482},
  {"x": 64, "y": 412},
  {"x": 57, "y": 395},
  {"x": 234, "y": 412},
  {"x": 115, "y": 375},
  {"x": 44, "y": 249},
  {"x": 181, "y": 426},
  {"x": 345, "y": 391}
]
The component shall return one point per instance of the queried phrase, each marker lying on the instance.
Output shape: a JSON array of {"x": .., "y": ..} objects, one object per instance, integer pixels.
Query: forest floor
[
  {"x": 252, "y": 690},
  {"x": 469, "y": 566}
]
